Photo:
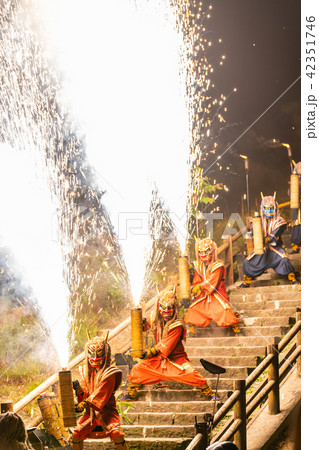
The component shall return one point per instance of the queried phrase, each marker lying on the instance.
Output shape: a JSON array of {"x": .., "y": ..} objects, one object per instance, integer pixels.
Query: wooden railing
[
  {"x": 235, "y": 428},
  {"x": 225, "y": 247}
]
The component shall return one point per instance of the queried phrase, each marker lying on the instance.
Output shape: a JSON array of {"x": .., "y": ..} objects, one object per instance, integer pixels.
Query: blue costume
[{"x": 274, "y": 256}]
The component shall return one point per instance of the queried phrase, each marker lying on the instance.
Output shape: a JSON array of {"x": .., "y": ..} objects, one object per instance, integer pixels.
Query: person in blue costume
[{"x": 274, "y": 256}]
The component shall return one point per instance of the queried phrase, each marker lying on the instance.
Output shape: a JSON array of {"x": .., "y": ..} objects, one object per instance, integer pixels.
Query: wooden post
[
  {"x": 273, "y": 376},
  {"x": 298, "y": 341},
  {"x": 6, "y": 407},
  {"x": 240, "y": 413},
  {"x": 229, "y": 261}
]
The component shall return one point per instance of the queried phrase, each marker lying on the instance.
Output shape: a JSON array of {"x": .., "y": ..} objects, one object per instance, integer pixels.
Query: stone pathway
[{"x": 163, "y": 418}]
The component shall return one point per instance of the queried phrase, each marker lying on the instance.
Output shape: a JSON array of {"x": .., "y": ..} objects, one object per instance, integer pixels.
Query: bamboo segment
[
  {"x": 51, "y": 412},
  {"x": 258, "y": 236},
  {"x": 136, "y": 333},
  {"x": 250, "y": 245},
  {"x": 184, "y": 278},
  {"x": 67, "y": 398},
  {"x": 294, "y": 191}
]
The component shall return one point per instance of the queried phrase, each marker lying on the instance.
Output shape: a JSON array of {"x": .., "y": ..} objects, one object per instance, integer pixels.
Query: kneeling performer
[
  {"x": 95, "y": 393},
  {"x": 211, "y": 300},
  {"x": 168, "y": 359}
]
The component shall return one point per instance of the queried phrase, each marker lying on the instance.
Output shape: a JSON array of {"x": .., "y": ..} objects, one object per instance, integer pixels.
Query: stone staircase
[{"x": 163, "y": 416}]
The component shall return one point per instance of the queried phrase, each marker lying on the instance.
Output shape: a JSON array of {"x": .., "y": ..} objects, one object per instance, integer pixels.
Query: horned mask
[
  {"x": 206, "y": 250},
  {"x": 98, "y": 351},
  {"x": 269, "y": 206},
  {"x": 167, "y": 302}
]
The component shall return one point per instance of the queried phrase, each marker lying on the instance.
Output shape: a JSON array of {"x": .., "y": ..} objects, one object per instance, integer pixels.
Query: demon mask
[
  {"x": 206, "y": 250},
  {"x": 167, "y": 302},
  {"x": 269, "y": 206},
  {"x": 97, "y": 351}
]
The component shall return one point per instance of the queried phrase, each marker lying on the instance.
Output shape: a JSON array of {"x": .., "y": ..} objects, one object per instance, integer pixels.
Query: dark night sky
[{"x": 261, "y": 41}]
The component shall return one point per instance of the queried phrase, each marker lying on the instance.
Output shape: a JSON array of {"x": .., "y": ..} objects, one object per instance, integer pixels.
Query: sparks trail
[{"x": 34, "y": 122}]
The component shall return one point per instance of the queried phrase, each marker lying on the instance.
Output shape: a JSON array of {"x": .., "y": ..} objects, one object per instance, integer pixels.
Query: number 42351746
[{"x": 310, "y": 47}]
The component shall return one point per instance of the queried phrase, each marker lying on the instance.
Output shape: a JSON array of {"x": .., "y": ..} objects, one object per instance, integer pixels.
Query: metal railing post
[
  {"x": 240, "y": 414},
  {"x": 273, "y": 377}
]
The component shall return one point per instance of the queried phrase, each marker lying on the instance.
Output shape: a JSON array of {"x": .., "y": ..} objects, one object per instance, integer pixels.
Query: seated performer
[
  {"x": 95, "y": 393},
  {"x": 274, "y": 256},
  {"x": 168, "y": 359},
  {"x": 13, "y": 433},
  {"x": 211, "y": 301}
]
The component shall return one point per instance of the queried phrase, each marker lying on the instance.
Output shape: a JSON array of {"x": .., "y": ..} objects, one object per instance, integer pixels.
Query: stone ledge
[{"x": 264, "y": 429}]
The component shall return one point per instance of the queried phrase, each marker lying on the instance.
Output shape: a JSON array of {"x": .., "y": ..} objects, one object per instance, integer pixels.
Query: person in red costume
[
  {"x": 95, "y": 394},
  {"x": 168, "y": 359},
  {"x": 211, "y": 301}
]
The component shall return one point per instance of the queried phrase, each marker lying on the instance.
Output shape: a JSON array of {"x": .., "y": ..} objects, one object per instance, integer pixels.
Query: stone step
[
  {"x": 191, "y": 406},
  {"x": 160, "y": 431},
  {"x": 225, "y": 351},
  {"x": 141, "y": 444},
  {"x": 267, "y": 321},
  {"x": 226, "y": 361},
  {"x": 283, "y": 300},
  {"x": 248, "y": 295},
  {"x": 265, "y": 330},
  {"x": 288, "y": 288},
  {"x": 286, "y": 312},
  {"x": 240, "y": 341},
  {"x": 213, "y": 331},
  {"x": 265, "y": 304},
  {"x": 269, "y": 280},
  {"x": 165, "y": 418},
  {"x": 224, "y": 383},
  {"x": 263, "y": 310},
  {"x": 173, "y": 395},
  {"x": 235, "y": 373},
  {"x": 247, "y": 331}
]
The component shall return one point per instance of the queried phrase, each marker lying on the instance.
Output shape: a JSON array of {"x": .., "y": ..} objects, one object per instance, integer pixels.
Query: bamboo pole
[
  {"x": 184, "y": 278},
  {"x": 258, "y": 236},
  {"x": 67, "y": 398},
  {"x": 294, "y": 191},
  {"x": 136, "y": 333}
]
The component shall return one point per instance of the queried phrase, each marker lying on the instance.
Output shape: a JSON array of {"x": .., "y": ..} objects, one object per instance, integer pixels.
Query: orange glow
[
  {"x": 286, "y": 145},
  {"x": 244, "y": 156}
]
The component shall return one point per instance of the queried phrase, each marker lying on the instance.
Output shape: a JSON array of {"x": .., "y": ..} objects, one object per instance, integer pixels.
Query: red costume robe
[
  {"x": 212, "y": 302},
  {"x": 171, "y": 364},
  {"x": 102, "y": 405}
]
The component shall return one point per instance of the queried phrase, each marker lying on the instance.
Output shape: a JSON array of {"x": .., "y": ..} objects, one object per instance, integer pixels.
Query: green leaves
[
  {"x": 120, "y": 405},
  {"x": 203, "y": 190}
]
